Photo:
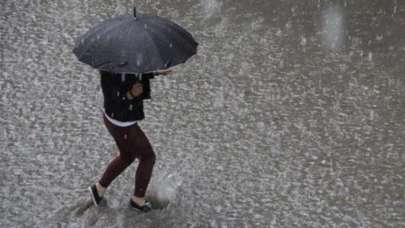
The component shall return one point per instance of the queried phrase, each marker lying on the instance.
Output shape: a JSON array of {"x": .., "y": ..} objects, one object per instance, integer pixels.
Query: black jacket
[{"x": 117, "y": 104}]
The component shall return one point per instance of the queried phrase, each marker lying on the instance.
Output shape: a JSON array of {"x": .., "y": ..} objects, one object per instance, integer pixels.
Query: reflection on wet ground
[{"x": 291, "y": 115}]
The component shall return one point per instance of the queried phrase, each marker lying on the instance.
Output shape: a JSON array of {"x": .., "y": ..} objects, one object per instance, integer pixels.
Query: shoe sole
[
  {"x": 138, "y": 209},
  {"x": 92, "y": 196}
]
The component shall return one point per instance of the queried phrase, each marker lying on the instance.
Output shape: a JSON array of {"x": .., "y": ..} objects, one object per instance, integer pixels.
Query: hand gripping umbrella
[{"x": 135, "y": 44}]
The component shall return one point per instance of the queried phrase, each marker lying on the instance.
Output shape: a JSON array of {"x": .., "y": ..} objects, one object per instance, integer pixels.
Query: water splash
[{"x": 333, "y": 26}]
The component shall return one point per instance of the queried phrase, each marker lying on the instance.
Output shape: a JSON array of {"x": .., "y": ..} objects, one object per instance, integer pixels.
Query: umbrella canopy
[{"x": 135, "y": 44}]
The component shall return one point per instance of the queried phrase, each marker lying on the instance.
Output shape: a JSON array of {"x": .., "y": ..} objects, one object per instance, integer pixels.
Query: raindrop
[
  {"x": 281, "y": 64},
  {"x": 123, "y": 77},
  {"x": 303, "y": 41},
  {"x": 139, "y": 59},
  {"x": 125, "y": 136},
  {"x": 145, "y": 26},
  {"x": 288, "y": 25},
  {"x": 333, "y": 27},
  {"x": 98, "y": 37},
  {"x": 123, "y": 98},
  {"x": 118, "y": 93},
  {"x": 82, "y": 41},
  {"x": 293, "y": 10},
  {"x": 170, "y": 45},
  {"x": 112, "y": 115},
  {"x": 130, "y": 107},
  {"x": 219, "y": 100},
  {"x": 370, "y": 56},
  {"x": 261, "y": 126},
  {"x": 279, "y": 32},
  {"x": 138, "y": 76}
]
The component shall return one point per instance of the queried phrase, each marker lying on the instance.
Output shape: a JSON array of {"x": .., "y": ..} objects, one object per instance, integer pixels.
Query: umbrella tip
[{"x": 134, "y": 11}]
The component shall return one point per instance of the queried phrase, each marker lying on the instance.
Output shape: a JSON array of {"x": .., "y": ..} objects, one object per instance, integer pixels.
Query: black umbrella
[{"x": 135, "y": 44}]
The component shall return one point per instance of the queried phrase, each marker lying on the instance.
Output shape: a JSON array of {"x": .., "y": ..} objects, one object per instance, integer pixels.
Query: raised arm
[{"x": 150, "y": 75}]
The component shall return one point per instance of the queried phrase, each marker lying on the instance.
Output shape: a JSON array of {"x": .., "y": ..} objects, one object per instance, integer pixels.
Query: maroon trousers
[{"x": 132, "y": 143}]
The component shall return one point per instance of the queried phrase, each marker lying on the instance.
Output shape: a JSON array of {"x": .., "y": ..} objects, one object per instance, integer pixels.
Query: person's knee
[
  {"x": 149, "y": 157},
  {"x": 128, "y": 159}
]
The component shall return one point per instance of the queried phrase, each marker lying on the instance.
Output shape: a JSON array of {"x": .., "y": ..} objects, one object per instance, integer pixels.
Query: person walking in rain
[
  {"x": 135, "y": 43},
  {"x": 123, "y": 108}
]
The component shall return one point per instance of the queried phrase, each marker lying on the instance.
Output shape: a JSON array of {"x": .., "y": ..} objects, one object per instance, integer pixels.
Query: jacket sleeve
[
  {"x": 146, "y": 85},
  {"x": 114, "y": 91}
]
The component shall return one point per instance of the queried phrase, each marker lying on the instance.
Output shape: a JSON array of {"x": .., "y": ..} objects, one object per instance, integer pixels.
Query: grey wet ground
[{"x": 292, "y": 114}]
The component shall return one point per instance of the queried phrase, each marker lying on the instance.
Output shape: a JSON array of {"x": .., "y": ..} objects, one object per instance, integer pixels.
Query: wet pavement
[{"x": 292, "y": 114}]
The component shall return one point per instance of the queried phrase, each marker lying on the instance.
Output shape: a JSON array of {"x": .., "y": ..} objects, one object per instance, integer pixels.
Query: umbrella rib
[
  {"x": 156, "y": 37},
  {"x": 156, "y": 48},
  {"x": 166, "y": 39},
  {"x": 102, "y": 34},
  {"x": 134, "y": 44},
  {"x": 129, "y": 20},
  {"x": 127, "y": 34},
  {"x": 101, "y": 25},
  {"x": 179, "y": 29},
  {"x": 169, "y": 32},
  {"x": 96, "y": 29},
  {"x": 186, "y": 47}
]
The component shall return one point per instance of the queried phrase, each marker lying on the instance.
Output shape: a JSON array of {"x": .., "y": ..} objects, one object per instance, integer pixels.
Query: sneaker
[
  {"x": 146, "y": 207},
  {"x": 94, "y": 195}
]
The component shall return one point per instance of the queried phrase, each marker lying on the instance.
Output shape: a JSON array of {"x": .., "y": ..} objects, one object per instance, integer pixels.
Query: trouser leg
[
  {"x": 146, "y": 156},
  {"x": 123, "y": 160}
]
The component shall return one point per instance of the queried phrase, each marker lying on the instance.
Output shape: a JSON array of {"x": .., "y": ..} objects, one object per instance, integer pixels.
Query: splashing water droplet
[
  {"x": 303, "y": 41},
  {"x": 370, "y": 56},
  {"x": 139, "y": 59}
]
